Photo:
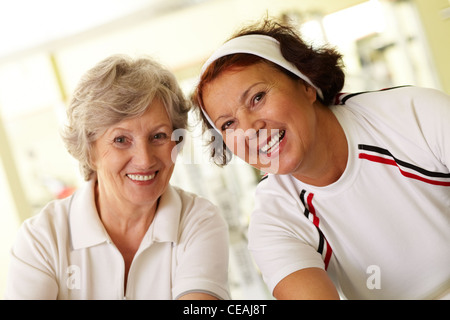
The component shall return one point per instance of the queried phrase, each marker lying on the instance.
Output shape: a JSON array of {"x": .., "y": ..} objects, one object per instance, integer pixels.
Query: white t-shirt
[
  {"x": 64, "y": 252},
  {"x": 382, "y": 231}
]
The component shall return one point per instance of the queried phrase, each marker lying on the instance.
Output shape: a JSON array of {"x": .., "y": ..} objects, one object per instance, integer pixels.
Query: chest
[
  {"x": 101, "y": 272},
  {"x": 388, "y": 221}
]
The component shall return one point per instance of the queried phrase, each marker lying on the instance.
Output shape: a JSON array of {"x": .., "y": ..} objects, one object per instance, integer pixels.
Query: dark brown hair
[{"x": 323, "y": 66}]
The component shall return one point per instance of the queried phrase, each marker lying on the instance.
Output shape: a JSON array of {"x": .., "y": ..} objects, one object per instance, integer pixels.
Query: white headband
[{"x": 259, "y": 45}]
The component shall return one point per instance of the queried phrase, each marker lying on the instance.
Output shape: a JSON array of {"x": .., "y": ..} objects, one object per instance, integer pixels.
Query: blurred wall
[{"x": 436, "y": 27}]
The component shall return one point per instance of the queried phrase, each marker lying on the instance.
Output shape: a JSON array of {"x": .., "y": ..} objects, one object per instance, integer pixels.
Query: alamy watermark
[
  {"x": 73, "y": 281},
  {"x": 374, "y": 279},
  {"x": 256, "y": 147}
]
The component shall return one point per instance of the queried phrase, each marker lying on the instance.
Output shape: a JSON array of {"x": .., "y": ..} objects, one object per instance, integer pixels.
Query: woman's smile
[
  {"x": 273, "y": 143},
  {"x": 273, "y": 112},
  {"x": 135, "y": 165},
  {"x": 141, "y": 177}
]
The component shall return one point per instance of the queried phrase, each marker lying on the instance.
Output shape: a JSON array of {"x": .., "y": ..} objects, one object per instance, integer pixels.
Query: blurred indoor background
[{"x": 46, "y": 45}]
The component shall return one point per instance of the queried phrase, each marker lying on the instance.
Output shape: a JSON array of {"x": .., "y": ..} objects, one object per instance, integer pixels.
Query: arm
[
  {"x": 30, "y": 274},
  {"x": 197, "y": 296},
  {"x": 306, "y": 284},
  {"x": 284, "y": 242},
  {"x": 202, "y": 267},
  {"x": 433, "y": 113}
]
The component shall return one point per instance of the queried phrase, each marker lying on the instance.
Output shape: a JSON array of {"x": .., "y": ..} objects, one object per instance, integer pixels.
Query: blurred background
[{"x": 46, "y": 45}]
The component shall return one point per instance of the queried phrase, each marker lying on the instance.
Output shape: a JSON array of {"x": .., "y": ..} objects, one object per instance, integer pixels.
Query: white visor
[{"x": 259, "y": 45}]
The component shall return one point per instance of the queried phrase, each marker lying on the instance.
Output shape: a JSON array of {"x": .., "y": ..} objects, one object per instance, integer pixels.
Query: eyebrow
[
  {"x": 246, "y": 92},
  {"x": 242, "y": 99},
  {"x": 113, "y": 130},
  {"x": 126, "y": 130}
]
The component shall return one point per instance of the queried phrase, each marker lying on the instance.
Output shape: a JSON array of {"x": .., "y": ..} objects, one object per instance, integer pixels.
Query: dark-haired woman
[{"x": 357, "y": 200}]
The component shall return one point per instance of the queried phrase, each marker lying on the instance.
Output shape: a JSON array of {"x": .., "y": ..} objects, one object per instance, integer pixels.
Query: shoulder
[
  {"x": 44, "y": 233},
  {"x": 276, "y": 197},
  {"x": 274, "y": 182},
  {"x": 407, "y": 97},
  {"x": 281, "y": 238},
  {"x": 52, "y": 219},
  {"x": 201, "y": 252},
  {"x": 197, "y": 211},
  {"x": 416, "y": 114},
  {"x": 401, "y": 91},
  {"x": 273, "y": 187},
  {"x": 192, "y": 203},
  {"x": 277, "y": 205}
]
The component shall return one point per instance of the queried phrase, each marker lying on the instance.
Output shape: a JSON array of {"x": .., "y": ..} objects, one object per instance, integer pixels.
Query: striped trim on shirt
[
  {"x": 310, "y": 213},
  {"x": 408, "y": 170}
]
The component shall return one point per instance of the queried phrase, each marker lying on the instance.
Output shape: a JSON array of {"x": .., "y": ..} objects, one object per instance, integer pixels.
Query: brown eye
[
  {"x": 226, "y": 125},
  {"x": 258, "y": 97}
]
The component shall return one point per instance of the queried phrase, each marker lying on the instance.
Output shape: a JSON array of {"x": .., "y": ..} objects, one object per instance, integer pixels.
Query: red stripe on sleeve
[
  {"x": 316, "y": 221},
  {"x": 406, "y": 174}
]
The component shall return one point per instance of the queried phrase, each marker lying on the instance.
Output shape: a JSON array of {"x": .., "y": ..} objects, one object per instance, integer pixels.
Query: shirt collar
[
  {"x": 165, "y": 225},
  {"x": 87, "y": 229}
]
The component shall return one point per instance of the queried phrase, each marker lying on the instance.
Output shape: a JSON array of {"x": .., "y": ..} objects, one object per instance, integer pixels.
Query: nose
[
  {"x": 251, "y": 124},
  {"x": 144, "y": 156},
  {"x": 243, "y": 141}
]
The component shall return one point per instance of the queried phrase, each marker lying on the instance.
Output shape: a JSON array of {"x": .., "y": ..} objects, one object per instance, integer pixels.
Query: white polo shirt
[
  {"x": 64, "y": 252},
  {"x": 382, "y": 231}
]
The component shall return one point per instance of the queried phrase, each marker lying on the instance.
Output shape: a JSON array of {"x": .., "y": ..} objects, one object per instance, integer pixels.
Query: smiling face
[
  {"x": 133, "y": 158},
  {"x": 265, "y": 117}
]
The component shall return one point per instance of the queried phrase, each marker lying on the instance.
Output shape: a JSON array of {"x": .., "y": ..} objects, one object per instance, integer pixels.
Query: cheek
[
  {"x": 236, "y": 143},
  {"x": 168, "y": 154},
  {"x": 243, "y": 148},
  {"x": 110, "y": 160}
]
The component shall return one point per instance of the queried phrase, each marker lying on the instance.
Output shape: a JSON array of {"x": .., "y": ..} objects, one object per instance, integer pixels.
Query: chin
[
  {"x": 281, "y": 162},
  {"x": 281, "y": 167},
  {"x": 142, "y": 197}
]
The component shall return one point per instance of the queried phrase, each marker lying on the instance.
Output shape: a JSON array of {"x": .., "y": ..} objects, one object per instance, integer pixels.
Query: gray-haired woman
[{"x": 126, "y": 233}]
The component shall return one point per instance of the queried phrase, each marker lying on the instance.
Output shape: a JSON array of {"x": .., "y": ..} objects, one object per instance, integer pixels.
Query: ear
[
  {"x": 91, "y": 157},
  {"x": 310, "y": 92}
]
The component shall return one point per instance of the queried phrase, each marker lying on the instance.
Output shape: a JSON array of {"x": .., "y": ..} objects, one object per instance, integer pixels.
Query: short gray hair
[{"x": 118, "y": 88}]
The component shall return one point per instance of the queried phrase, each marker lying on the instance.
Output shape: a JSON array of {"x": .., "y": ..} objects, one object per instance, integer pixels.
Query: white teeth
[
  {"x": 138, "y": 177},
  {"x": 273, "y": 141}
]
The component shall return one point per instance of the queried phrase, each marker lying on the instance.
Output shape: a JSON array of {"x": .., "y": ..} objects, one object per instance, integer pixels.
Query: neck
[
  {"x": 120, "y": 218},
  {"x": 328, "y": 158},
  {"x": 125, "y": 223}
]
